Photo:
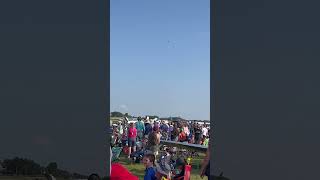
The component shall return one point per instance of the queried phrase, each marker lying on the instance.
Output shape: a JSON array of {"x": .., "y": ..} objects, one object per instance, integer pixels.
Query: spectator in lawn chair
[
  {"x": 138, "y": 155},
  {"x": 140, "y": 128},
  {"x": 132, "y": 139},
  {"x": 180, "y": 164}
]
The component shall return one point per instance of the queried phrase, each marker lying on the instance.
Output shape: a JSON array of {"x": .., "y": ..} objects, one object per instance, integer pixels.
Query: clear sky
[{"x": 160, "y": 57}]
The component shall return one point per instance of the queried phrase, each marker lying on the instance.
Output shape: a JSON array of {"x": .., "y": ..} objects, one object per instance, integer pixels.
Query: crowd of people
[
  {"x": 142, "y": 139},
  {"x": 184, "y": 131}
]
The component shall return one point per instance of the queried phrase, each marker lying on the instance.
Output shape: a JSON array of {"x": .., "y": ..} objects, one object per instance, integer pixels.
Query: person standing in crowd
[
  {"x": 156, "y": 125},
  {"x": 124, "y": 138},
  {"x": 170, "y": 132},
  {"x": 206, "y": 141},
  {"x": 175, "y": 133},
  {"x": 154, "y": 141},
  {"x": 197, "y": 134},
  {"x": 132, "y": 137},
  {"x": 120, "y": 129},
  {"x": 140, "y": 128},
  {"x": 165, "y": 129},
  {"x": 186, "y": 130},
  {"x": 148, "y": 128},
  {"x": 205, "y": 130}
]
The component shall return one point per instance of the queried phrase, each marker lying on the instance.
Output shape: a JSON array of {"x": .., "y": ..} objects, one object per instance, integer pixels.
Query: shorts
[{"x": 132, "y": 142}]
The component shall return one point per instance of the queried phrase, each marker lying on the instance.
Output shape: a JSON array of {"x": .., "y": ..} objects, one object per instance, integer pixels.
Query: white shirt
[{"x": 204, "y": 131}]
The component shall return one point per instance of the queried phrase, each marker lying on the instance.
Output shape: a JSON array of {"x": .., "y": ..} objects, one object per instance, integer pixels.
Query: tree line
[{"x": 26, "y": 167}]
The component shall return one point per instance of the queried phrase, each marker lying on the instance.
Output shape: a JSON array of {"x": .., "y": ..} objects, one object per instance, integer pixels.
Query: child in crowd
[{"x": 148, "y": 161}]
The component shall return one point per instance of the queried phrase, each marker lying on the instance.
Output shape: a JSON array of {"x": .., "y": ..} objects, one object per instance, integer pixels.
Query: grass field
[{"x": 138, "y": 169}]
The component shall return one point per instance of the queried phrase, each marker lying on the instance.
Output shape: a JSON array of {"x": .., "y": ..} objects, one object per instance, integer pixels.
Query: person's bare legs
[{"x": 129, "y": 151}]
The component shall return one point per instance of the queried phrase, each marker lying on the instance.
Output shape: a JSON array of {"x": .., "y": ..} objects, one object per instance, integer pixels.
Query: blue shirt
[
  {"x": 140, "y": 126},
  {"x": 148, "y": 129},
  {"x": 150, "y": 174}
]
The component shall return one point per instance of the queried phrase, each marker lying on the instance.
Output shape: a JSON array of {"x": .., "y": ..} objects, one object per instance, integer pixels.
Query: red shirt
[
  {"x": 132, "y": 133},
  {"x": 182, "y": 136},
  {"x": 119, "y": 172}
]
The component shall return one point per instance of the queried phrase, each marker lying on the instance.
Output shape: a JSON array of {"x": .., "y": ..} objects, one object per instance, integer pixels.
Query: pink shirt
[{"x": 132, "y": 133}]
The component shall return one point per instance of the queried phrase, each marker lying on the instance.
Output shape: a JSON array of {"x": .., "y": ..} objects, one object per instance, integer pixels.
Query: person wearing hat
[{"x": 148, "y": 128}]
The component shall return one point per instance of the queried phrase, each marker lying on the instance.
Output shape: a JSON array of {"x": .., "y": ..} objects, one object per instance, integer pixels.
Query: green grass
[{"x": 138, "y": 169}]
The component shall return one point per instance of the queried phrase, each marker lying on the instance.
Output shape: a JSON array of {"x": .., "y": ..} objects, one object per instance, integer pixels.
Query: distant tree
[
  {"x": 21, "y": 166},
  {"x": 52, "y": 168},
  {"x": 127, "y": 115},
  {"x": 116, "y": 114},
  {"x": 153, "y": 117}
]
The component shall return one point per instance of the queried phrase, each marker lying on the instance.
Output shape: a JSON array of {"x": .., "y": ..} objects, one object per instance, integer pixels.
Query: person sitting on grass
[
  {"x": 179, "y": 168},
  {"x": 148, "y": 161}
]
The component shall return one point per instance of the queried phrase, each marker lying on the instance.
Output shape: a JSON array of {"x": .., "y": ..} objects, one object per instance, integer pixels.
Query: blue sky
[{"x": 160, "y": 57}]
